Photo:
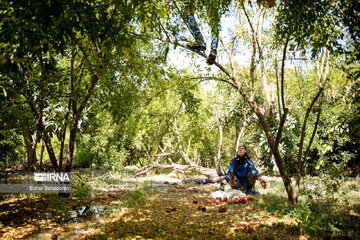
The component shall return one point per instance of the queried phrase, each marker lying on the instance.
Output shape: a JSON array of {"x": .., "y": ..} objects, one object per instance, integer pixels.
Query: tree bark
[
  {"x": 218, "y": 168},
  {"x": 30, "y": 144},
  {"x": 300, "y": 159},
  {"x": 237, "y": 133},
  {"x": 265, "y": 123},
  {"x": 63, "y": 135},
  {"x": 45, "y": 136},
  {"x": 42, "y": 155},
  {"x": 72, "y": 140},
  {"x": 240, "y": 135},
  {"x": 184, "y": 155},
  {"x": 75, "y": 122},
  {"x": 156, "y": 143},
  {"x": 277, "y": 87}
]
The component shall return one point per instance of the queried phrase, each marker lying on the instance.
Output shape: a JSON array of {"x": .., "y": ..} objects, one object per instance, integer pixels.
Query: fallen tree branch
[
  {"x": 208, "y": 172},
  {"x": 164, "y": 154},
  {"x": 203, "y": 180}
]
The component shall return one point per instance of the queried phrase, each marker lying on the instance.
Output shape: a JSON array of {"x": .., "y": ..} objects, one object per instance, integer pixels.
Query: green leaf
[{"x": 4, "y": 91}]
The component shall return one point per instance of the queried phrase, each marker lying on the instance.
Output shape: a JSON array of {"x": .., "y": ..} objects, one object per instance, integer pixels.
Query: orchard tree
[
  {"x": 57, "y": 52},
  {"x": 297, "y": 25}
]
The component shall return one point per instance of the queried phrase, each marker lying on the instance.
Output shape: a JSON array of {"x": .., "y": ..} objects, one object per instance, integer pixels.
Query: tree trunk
[
  {"x": 301, "y": 158},
  {"x": 49, "y": 148},
  {"x": 63, "y": 136},
  {"x": 156, "y": 142},
  {"x": 218, "y": 168},
  {"x": 184, "y": 155},
  {"x": 45, "y": 136},
  {"x": 72, "y": 140},
  {"x": 292, "y": 195},
  {"x": 211, "y": 174},
  {"x": 30, "y": 144},
  {"x": 274, "y": 146},
  {"x": 76, "y": 117},
  {"x": 240, "y": 135},
  {"x": 237, "y": 133},
  {"x": 42, "y": 155}
]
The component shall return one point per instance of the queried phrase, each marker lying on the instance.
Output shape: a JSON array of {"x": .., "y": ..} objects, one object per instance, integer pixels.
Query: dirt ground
[{"x": 167, "y": 212}]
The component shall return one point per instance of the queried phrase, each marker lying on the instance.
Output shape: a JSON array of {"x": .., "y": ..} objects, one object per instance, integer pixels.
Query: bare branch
[
  {"x": 299, "y": 84},
  {"x": 277, "y": 86},
  {"x": 255, "y": 43},
  {"x": 210, "y": 173},
  {"x": 281, "y": 127},
  {"x": 233, "y": 78},
  {"x": 252, "y": 61},
  {"x": 314, "y": 131},
  {"x": 283, "y": 73},
  {"x": 259, "y": 24},
  {"x": 229, "y": 55},
  {"x": 188, "y": 149},
  {"x": 262, "y": 69},
  {"x": 162, "y": 26},
  {"x": 163, "y": 151},
  {"x": 183, "y": 154},
  {"x": 241, "y": 133},
  {"x": 163, "y": 155},
  {"x": 320, "y": 71},
  {"x": 94, "y": 79},
  {"x": 302, "y": 137}
]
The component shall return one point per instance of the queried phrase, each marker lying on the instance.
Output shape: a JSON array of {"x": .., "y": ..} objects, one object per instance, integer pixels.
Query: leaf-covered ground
[
  {"x": 144, "y": 212},
  {"x": 20, "y": 217},
  {"x": 155, "y": 220}
]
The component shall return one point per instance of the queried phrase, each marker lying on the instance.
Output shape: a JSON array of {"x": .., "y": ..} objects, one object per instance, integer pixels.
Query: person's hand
[{"x": 263, "y": 183}]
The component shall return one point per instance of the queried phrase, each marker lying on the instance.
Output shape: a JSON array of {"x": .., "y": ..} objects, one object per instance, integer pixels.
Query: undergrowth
[
  {"x": 320, "y": 213},
  {"x": 140, "y": 196}
]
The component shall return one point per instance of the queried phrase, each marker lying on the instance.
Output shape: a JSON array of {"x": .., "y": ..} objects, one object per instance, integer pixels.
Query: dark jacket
[{"x": 241, "y": 171}]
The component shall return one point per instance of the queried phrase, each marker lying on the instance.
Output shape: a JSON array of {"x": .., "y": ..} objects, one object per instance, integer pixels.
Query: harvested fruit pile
[{"x": 224, "y": 201}]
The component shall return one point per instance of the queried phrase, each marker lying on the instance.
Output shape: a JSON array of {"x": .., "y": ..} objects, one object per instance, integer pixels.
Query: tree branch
[
  {"x": 302, "y": 137},
  {"x": 229, "y": 55},
  {"x": 299, "y": 83},
  {"x": 233, "y": 78},
  {"x": 314, "y": 131},
  {"x": 277, "y": 86},
  {"x": 283, "y": 72},
  {"x": 281, "y": 128}
]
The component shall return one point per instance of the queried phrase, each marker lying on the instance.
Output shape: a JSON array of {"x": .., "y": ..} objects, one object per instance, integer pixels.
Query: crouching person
[{"x": 242, "y": 173}]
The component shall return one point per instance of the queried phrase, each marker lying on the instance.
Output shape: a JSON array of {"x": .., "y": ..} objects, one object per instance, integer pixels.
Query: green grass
[
  {"x": 100, "y": 179},
  {"x": 140, "y": 196},
  {"x": 321, "y": 213}
]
